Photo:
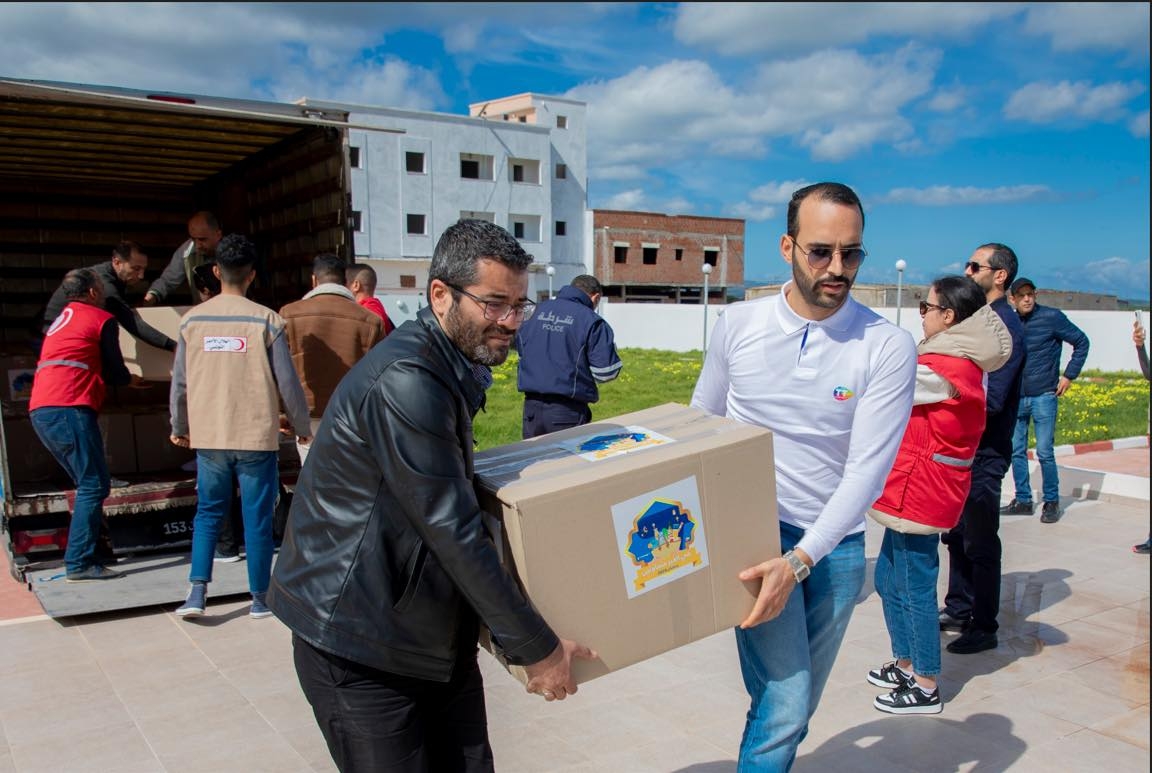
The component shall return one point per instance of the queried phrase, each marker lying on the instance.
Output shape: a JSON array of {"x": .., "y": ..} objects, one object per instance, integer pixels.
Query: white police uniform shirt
[{"x": 836, "y": 394}]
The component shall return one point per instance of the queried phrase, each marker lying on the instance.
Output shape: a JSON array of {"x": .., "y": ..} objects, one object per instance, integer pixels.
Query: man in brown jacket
[{"x": 328, "y": 333}]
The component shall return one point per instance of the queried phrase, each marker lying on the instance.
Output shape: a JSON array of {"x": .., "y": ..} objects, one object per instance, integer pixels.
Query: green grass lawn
[{"x": 1099, "y": 406}]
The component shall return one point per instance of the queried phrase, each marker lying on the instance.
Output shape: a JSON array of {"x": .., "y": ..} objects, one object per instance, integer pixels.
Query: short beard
[
  {"x": 807, "y": 287},
  {"x": 470, "y": 340}
]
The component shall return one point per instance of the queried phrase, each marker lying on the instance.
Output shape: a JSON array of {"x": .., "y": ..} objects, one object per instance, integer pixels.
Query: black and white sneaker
[
  {"x": 889, "y": 675},
  {"x": 909, "y": 699}
]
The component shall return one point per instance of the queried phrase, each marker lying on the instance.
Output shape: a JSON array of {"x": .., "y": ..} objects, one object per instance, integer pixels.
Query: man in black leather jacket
[{"x": 386, "y": 571}]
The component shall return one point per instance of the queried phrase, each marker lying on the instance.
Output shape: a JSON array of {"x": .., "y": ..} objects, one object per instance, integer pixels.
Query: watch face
[{"x": 799, "y": 568}]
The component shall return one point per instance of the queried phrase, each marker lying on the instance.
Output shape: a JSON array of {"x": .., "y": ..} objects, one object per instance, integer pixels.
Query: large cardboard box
[
  {"x": 145, "y": 360},
  {"x": 16, "y": 375},
  {"x": 29, "y": 461},
  {"x": 119, "y": 442},
  {"x": 154, "y": 449},
  {"x": 627, "y": 534}
]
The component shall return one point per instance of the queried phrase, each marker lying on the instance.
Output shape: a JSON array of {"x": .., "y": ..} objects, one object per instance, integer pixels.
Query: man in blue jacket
[
  {"x": 1046, "y": 330},
  {"x": 975, "y": 554},
  {"x": 566, "y": 349}
]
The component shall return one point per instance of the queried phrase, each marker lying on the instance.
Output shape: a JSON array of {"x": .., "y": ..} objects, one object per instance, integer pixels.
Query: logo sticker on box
[
  {"x": 20, "y": 384},
  {"x": 606, "y": 445},
  {"x": 661, "y": 536}
]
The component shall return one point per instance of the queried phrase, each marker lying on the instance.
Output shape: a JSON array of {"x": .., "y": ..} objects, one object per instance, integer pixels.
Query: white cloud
[
  {"x": 1100, "y": 26},
  {"x": 219, "y": 49},
  {"x": 836, "y": 103},
  {"x": 755, "y": 212},
  {"x": 677, "y": 205},
  {"x": 393, "y": 82},
  {"x": 1115, "y": 275},
  {"x": 948, "y": 100},
  {"x": 947, "y": 195},
  {"x": 776, "y": 192},
  {"x": 738, "y": 147},
  {"x": 1138, "y": 125},
  {"x": 630, "y": 199},
  {"x": 744, "y": 28},
  {"x": 1049, "y": 102},
  {"x": 607, "y": 172}
]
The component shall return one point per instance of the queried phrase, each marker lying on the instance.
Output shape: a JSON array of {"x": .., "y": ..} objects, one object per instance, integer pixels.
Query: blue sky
[{"x": 957, "y": 123}]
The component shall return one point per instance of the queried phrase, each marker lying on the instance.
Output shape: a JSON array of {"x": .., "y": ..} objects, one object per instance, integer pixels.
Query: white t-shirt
[{"x": 836, "y": 394}]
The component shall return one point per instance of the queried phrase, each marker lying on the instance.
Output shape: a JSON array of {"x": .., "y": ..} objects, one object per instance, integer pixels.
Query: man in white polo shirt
[{"x": 834, "y": 382}]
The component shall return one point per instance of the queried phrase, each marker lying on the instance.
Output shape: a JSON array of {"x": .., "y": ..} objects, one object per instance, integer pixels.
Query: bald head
[{"x": 204, "y": 231}]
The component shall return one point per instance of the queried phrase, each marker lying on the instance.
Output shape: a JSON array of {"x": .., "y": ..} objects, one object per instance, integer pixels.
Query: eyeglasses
[
  {"x": 821, "y": 256},
  {"x": 976, "y": 268},
  {"x": 498, "y": 311},
  {"x": 925, "y": 307}
]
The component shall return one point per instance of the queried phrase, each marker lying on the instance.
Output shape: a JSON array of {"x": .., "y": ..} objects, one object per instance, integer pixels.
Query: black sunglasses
[
  {"x": 976, "y": 268},
  {"x": 925, "y": 307},
  {"x": 821, "y": 256}
]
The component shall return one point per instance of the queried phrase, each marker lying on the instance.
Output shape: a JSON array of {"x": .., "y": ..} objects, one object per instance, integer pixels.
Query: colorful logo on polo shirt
[{"x": 842, "y": 393}]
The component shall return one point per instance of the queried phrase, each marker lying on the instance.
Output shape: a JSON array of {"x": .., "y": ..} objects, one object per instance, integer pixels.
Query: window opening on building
[
  {"x": 407, "y": 280},
  {"x": 524, "y": 170},
  {"x": 475, "y": 167},
  {"x": 414, "y": 162},
  {"x": 353, "y": 156},
  {"x": 561, "y": 122},
  {"x": 711, "y": 256},
  {"x": 524, "y": 226},
  {"x": 356, "y": 220},
  {"x": 679, "y": 254},
  {"x": 561, "y": 228},
  {"x": 561, "y": 171},
  {"x": 650, "y": 256},
  {"x": 621, "y": 254},
  {"x": 416, "y": 225}
]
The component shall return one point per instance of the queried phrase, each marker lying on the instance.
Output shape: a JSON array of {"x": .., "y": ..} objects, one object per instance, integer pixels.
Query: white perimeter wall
[{"x": 681, "y": 328}]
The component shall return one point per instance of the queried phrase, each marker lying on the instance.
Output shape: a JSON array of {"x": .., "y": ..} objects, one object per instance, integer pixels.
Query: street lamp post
[
  {"x": 707, "y": 269},
  {"x": 550, "y": 271},
  {"x": 900, "y": 266}
]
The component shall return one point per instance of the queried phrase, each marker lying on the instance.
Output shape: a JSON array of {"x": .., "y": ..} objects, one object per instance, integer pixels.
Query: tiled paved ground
[{"x": 1068, "y": 688}]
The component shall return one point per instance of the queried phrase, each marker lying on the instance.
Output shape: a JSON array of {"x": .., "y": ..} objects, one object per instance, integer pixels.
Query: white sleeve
[
  {"x": 877, "y": 429},
  {"x": 931, "y": 387},
  {"x": 711, "y": 392}
]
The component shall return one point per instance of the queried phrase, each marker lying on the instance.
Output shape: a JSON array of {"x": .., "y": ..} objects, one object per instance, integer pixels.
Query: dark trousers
[
  {"x": 974, "y": 550},
  {"x": 377, "y": 722},
  {"x": 551, "y": 413}
]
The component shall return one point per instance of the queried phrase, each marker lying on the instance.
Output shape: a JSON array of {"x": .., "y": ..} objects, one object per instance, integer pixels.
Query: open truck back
[{"x": 84, "y": 167}]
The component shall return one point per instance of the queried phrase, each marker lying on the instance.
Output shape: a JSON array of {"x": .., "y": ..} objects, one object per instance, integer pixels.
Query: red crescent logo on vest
[{"x": 64, "y": 318}]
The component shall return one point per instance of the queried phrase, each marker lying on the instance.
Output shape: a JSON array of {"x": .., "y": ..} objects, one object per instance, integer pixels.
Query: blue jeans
[
  {"x": 1041, "y": 409},
  {"x": 72, "y": 435},
  {"x": 786, "y": 661},
  {"x": 217, "y": 471},
  {"x": 906, "y": 573}
]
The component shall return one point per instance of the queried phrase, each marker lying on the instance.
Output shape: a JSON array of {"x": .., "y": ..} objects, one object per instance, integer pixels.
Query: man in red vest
[{"x": 80, "y": 355}]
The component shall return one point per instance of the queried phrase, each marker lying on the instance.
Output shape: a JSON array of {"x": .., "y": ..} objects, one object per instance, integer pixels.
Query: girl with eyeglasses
[{"x": 925, "y": 492}]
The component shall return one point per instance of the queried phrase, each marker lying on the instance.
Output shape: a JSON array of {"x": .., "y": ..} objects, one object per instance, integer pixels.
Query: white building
[{"x": 520, "y": 162}]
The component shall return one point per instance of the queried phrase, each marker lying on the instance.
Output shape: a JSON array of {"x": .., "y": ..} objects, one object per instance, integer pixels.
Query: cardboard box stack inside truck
[{"x": 85, "y": 167}]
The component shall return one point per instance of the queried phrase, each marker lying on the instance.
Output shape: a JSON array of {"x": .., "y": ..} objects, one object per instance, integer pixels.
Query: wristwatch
[{"x": 799, "y": 568}]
